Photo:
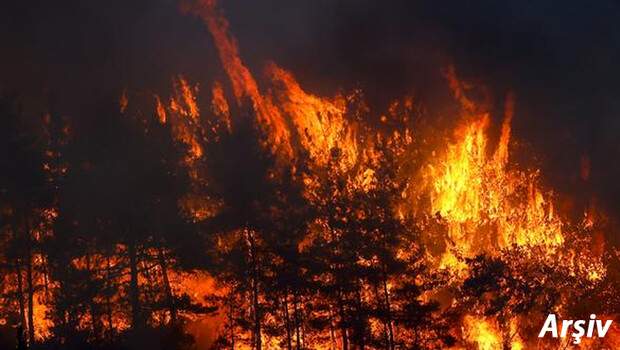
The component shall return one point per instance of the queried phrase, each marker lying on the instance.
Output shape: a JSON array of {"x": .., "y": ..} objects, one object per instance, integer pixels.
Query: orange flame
[
  {"x": 243, "y": 83},
  {"x": 486, "y": 205},
  {"x": 481, "y": 332},
  {"x": 219, "y": 105}
]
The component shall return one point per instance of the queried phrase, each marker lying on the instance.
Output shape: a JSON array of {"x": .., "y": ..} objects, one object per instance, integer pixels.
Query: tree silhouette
[{"x": 25, "y": 196}]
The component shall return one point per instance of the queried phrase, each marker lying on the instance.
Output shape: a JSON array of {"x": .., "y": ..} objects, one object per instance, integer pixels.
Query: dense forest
[{"x": 253, "y": 214}]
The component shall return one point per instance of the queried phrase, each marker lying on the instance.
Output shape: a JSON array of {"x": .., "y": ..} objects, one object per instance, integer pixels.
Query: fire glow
[{"x": 410, "y": 239}]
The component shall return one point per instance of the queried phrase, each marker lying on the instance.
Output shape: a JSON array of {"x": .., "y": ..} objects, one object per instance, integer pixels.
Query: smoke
[{"x": 558, "y": 59}]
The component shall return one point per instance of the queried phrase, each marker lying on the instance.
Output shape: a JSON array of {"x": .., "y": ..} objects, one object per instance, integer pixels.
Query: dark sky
[{"x": 560, "y": 59}]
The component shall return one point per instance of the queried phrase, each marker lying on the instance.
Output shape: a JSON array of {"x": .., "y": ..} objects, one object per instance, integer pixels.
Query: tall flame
[
  {"x": 318, "y": 124},
  {"x": 243, "y": 83},
  {"x": 486, "y": 204}
]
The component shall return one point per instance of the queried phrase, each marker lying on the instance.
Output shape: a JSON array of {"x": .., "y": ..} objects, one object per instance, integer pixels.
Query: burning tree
[
  {"x": 26, "y": 203},
  {"x": 270, "y": 217}
]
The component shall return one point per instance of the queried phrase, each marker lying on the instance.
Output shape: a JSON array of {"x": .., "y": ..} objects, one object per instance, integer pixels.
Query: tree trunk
[
  {"x": 388, "y": 310},
  {"x": 360, "y": 327},
  {"x": 108, "y": 301},
  {"x": 167, "y": 288},
  {"x": 61, "y": 312},
  {"x": 297, "y": 321},
  {"x": 255, "y": 290},
  {"x": 257, "y": 314},
  {"x": 46, "y": 280},
  {"x": 21, "y": 342},
  {"x": 134, "y": 288},
  {"x": 287, "y": 318},
  {"x": 29, "y": 280},
  {"x": 94, "y": 315},
  {"x": 148, "y": 294},
  {"x": 20, "y": 295},
  {"x": 332, "y": 332},
  {"x": 343, "y": 323}
]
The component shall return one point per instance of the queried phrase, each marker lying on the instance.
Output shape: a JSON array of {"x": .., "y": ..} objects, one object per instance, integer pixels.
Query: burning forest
[{"x": 254, "y": 207}]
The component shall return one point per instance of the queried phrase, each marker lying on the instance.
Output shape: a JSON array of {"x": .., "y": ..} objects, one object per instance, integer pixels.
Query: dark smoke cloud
[{"x": 560, "y": 59}]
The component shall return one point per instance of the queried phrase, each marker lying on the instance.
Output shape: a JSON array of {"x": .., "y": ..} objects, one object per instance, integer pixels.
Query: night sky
[{"x": 559, "y": 58}]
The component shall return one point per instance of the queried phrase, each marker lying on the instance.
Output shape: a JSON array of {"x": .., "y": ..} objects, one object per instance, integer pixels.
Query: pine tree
[{"x": 25, "y": 194}]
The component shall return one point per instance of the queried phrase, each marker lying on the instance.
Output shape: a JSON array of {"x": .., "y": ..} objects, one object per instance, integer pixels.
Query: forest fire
[
  {"x": 248, "y": 212},
  {"x": 473, "y": 193}
]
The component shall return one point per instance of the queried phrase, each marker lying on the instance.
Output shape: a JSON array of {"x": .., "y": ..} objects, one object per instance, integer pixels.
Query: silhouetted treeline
[{"x": 96, "y": 246}]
